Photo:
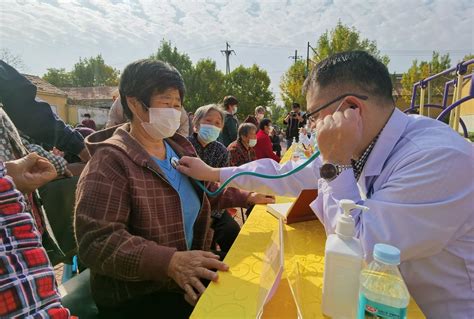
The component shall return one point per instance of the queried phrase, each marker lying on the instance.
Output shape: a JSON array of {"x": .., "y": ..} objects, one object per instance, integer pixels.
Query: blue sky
[{"x": 55, "y": 33}]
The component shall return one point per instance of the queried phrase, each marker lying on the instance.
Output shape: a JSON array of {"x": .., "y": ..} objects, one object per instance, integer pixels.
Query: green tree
[
  {"x": 251, "y": 86},
  {"x": 291, "y": 84},
  {"x": 205, "y": 85},
  {"x": 278, "y": 114},
  {"x": 422, "y": 70},
  {"x": 94, "y": 72},
  {"x": 181, "y": 61},
  {"x": 58, "y": 77},
  {"x": 341, "y": 38}
]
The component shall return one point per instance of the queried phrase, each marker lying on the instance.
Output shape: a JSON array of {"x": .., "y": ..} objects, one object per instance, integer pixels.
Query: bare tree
[{"x": 13, "y": 59}]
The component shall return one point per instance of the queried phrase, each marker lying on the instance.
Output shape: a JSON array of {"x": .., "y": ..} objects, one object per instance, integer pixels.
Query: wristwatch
[{"x": 330, "y": 171}]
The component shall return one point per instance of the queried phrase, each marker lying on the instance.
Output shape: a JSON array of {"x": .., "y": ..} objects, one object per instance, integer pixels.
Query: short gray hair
[
  {"x": 246, "y": 128},
  {"x": 204, "y": 110},
  {"x": 260, "y": 109}
]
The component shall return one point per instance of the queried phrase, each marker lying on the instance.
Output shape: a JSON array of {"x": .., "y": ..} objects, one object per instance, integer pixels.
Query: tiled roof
[
  {"x": 90, "y": 93},
  {"x": 43, "y": 86}
]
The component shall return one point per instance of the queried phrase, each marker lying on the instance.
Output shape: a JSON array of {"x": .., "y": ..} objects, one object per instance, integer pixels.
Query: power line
[{"x": 227, "y": 53}]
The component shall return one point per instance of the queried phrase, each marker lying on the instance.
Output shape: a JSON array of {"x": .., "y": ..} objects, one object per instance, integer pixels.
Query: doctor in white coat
[{"x": 415, "y": 174}]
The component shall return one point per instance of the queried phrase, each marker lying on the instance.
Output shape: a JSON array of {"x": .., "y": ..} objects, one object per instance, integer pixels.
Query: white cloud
[{"x": 55, "y": 33}]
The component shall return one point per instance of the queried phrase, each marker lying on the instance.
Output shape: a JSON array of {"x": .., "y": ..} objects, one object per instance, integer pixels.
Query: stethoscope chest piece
[{"x": 174, "y": 161}]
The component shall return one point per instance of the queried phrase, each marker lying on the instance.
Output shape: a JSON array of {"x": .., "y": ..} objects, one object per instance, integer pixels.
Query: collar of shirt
[
  {"x": 358, "y": 165},
  {"x": 388, "y": 137}
]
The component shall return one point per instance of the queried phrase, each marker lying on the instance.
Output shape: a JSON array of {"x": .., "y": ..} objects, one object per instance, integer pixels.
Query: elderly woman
[
  {"x": 142, "y": 227},
  {"x": 207, "y": 124},
  {"x": 242, "y": 150},
  {"x": 264, "y": 147}
]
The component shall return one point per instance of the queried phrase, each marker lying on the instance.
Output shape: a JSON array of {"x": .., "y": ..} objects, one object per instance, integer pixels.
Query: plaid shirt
[
  {"x": 129, "y": 221},
  {"x": 358, "y": 165},
  {"x": 27, "y": 284},
  {"x": 59, "y": 163}
]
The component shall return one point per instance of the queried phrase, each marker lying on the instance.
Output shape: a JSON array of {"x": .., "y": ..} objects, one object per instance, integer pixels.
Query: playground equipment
[{"x": 454, "y": 117}]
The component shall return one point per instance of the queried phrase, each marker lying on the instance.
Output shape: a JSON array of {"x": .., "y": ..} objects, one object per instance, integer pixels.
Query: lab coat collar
[{"x": 387, "y": 140}]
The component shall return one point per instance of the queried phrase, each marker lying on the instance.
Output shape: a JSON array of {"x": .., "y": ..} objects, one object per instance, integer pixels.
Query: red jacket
[{"x": 264, "y": 147}]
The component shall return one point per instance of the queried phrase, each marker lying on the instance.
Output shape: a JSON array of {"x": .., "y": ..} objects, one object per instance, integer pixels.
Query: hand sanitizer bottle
[{"x": 343, "y": 263}]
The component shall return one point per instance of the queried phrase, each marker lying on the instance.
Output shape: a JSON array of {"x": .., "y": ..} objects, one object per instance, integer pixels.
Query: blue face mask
[{"x": 208, "y": 133}]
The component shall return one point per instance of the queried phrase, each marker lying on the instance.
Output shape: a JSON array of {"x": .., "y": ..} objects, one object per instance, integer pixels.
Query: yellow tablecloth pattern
[{"x": 236, "y": 293}]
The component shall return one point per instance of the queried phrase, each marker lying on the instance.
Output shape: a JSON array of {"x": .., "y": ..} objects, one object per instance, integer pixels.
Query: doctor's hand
[
  {"x": 339, "y": 135},
  {"x": 194, "y": 167}
]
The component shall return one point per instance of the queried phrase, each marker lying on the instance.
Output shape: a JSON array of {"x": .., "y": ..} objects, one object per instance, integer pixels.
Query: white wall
[{"x": 99, "y": 115}]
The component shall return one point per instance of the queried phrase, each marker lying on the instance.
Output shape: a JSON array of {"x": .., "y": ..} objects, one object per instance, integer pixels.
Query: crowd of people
[{"x": 153, "y": 240}]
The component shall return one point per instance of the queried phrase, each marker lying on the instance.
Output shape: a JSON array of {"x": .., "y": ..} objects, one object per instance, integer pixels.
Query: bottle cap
[{"x": 387, "y": 254}]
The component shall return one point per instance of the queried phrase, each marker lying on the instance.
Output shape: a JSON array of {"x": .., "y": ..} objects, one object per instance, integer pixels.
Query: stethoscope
[{"x": 174, "y": 161}]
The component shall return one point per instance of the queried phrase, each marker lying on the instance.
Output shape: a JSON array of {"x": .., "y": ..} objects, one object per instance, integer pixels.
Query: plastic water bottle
[{"x": 383, "y": 293}]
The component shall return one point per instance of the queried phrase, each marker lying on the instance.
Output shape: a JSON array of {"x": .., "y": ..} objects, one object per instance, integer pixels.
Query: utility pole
[
  {"x": 429, "y": 90},
  {"x": 227, "y": 53},
  {"x": 295, "y": 57},
  {"x": 306, "y": 71}
]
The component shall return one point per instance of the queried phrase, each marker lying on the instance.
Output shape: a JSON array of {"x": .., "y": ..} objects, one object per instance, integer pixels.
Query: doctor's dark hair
[
  {"x": 352, "y": 68},
  {"x": 144, "y": 78}
]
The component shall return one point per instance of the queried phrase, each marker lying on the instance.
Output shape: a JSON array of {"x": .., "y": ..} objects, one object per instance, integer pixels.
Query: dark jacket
[
  {"x": 129, "y": 221},
  {"x": 34, "y": 117},
  {"x": 229, "y": 131}
]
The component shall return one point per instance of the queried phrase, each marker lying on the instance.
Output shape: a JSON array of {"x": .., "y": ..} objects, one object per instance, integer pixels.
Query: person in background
[
  {"x": 229, "y": 132},
  {"x": 88, "y": 122},
  {"x": 207, "y": 123},
  {"x": 264, "y": 147},
  {"x": 190, "y": 120},
  {"x": 276, "y": 142},
  {"x": 242, "y": 150},
  {"x": 117, "y": 117},
  {"x": 34, "y": 117},
  {"x": 28, "y": 287},
  {"x": 294, "y": 120},
  {"x": 259, "y": 115}
]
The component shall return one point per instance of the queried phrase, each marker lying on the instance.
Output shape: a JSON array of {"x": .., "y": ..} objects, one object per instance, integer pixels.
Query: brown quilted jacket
[{"x": 128, "y": 218}]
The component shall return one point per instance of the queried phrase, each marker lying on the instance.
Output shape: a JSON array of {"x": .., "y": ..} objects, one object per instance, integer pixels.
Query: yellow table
[{"x": 236, "y": 293}]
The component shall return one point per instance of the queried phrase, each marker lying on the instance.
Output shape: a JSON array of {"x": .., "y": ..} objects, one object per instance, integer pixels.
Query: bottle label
[{"x": 372, "y": 309}]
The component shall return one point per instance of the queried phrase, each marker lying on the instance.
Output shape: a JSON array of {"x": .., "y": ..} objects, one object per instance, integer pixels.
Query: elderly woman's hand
[
  {"x": 187, "y": 268},
  {"x": 257, "y": 198},
  {"x": 30, "y": 172}
]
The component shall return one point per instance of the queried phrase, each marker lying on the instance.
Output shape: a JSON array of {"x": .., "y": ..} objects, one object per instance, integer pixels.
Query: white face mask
[
  {"x": 235, "y": 110},
  {"x": 252, "y": 142},
  {"x": 164, "y": 122}
]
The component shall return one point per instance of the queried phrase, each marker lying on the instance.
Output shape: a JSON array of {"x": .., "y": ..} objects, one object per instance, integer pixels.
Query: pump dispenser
[{"x": 342, "y": 265}]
